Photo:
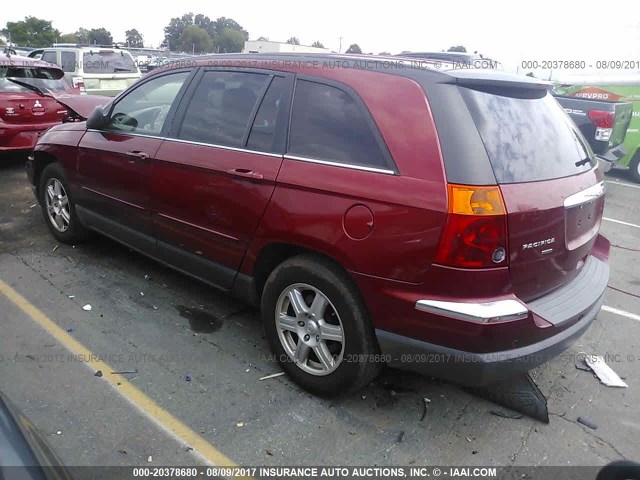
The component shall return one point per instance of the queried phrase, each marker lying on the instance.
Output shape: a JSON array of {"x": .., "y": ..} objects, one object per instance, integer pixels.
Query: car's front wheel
[
  {"x": 634, "y": 167},
  {"x": 319, "y": 327},
  {"x": 58, "y": 207}
]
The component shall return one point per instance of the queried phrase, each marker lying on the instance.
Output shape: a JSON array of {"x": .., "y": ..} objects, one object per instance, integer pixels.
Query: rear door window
[
  {"x": 269, "y": 127},
  {"x": 328, "y": 124},
  {"x": 528, "y": 137},
  {"x": 222, "y": 108}
]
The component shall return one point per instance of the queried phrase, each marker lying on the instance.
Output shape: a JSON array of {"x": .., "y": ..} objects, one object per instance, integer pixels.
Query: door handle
[
  {"x": 245, "y": 173},
  {"x": 138, "y": 154}
]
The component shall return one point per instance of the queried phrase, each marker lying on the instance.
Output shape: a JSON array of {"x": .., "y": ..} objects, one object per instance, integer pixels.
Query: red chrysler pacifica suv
[{"x": 379, "y": 213}]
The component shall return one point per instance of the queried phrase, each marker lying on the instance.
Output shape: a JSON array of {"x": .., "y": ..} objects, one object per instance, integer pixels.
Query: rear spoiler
[{"x": 496, "y": 79}]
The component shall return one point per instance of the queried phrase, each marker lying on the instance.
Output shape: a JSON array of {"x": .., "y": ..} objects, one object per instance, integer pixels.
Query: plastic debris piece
[
  {"x": 604, "y": 372},
  {"x": 69, "y": 330},
  {"x": 147, "y": 277},
  {"x": 498, "y": 413},
  {"x": 400, "y": 437},
  {"x": 247, "y": 370},
  {"x": 273, "y": 375},
  {"x": 269, "y": 452},
  {"x": 425, "y": 402},
  {"x": 149, "y": 459},
  {"x": 155, "y": 308},
  {"x": 98, "y": 373},
  {"x": 123, "y": 452},
  {"x": 59, "y": 432},
  {"x": 187, "y": 378},
  {"x": 33, "y": 206},
  {"x": 72, "y": 296},
  {"x": 240, "y": 424},
  {"x": 55, "y": 248},
  {"x": 188, "y": 449},
  {"x": 87, "y": 308},
  {"x": 587, "y": 423},
  {"x": 142, "y": 294}
]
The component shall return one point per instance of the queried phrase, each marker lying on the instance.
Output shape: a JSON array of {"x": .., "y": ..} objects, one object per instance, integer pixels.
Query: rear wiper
[
  {"x": 583, "y": 162},
  {"x": 120, "y": 69},
  {"x": 27, "y": 85}
]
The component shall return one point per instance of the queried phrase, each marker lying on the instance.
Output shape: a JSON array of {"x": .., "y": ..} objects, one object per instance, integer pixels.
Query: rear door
[
  {"x": 213, "y": 178},
  {"x": 552, "y": 189}
]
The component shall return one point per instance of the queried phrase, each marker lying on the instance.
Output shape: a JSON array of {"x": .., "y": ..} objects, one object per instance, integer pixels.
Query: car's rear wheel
[
  {"x": 634, "y": 167},
  {"x": 318, "y": 326},
  {"x": 58, "y": 207}
]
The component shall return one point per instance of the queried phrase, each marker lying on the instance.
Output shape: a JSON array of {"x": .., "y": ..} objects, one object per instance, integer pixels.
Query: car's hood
[{"x": 81, "y": 105}]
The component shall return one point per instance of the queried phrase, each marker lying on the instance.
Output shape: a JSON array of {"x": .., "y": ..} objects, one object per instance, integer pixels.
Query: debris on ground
[
  {"x": 604, "y": 372},
  {"x": 155, "y": 308},
  {"x": 273, "y": 375},
  {"x": 247, "y": 370},
  {"x": 125, "y": 371},
  {"x": 98, "y": 373},
  {"x": 59, "y": 432},
  {"x": 587, "y": 423},
  {"x": 240, "y": 424},
  {"x": 55, "y": 248},
  {"x": 149, "y": 459},
  {"x": 425, "y": 402},
  {"x": 515, "y": 416},
  {"x": 400, "y": 437},
  {"x": 69, "y": 330},
  {"x": 123, "y": 452},
  {"x": 87, "y": 308},
  {"x": 269, "y": 452},
  {"x": 142, "y": 294},
  {"x": 147, "y": 277},
  {"x": 72, "y": 296},
  {"x": 187, "y": 378}
]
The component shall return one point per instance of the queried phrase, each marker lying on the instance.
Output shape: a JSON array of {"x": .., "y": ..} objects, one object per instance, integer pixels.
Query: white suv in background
[{"x": 94, "y": 69}]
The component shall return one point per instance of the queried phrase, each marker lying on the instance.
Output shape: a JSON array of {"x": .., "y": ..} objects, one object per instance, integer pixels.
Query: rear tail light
[
  {"x": 78, "y": 82},
  {"x": 604, "y": 122},
  {"x": 475, "y": 232}
]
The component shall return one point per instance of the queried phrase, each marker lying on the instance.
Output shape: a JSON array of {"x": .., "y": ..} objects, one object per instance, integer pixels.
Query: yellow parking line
[{"x": 181, "y": 432}]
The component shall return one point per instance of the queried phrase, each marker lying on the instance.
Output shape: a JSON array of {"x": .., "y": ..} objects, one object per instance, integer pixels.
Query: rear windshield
[
  {"x": 43, "y": 78},
  {"x": 108, "y": 61},
  {"x": 527, "y": 137}
]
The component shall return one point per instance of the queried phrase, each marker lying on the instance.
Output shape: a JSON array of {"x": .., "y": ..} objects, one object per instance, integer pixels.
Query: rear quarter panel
[{"x": 309, "y": 204}]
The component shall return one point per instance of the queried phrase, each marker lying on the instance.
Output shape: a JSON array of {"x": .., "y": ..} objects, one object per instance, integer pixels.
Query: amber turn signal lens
[{"x": 471, "y": 200}]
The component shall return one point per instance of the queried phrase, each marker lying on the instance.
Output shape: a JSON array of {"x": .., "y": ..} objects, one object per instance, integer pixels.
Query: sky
[{"x": 506, "y": 31}]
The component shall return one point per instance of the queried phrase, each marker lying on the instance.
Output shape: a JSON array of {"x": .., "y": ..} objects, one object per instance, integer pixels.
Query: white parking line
[
  {"x": 621, "y": 222},
  {"x": 623, "y": 184},
  {"x": 630, "y": 315}
]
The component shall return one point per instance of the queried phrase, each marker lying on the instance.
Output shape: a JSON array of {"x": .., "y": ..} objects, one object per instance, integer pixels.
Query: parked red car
[
  {"x": 24, "y": 112},
  {"x": 444, "y": 222}
]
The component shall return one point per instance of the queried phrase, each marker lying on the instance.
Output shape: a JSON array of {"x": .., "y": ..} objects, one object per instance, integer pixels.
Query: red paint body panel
[{"x": 199, "y": 206}]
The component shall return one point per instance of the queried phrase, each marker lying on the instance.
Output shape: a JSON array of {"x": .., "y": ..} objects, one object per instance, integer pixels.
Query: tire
[
  {"x": 634, "y": 167},
  {"x": 348, "y": 364},
  {"x": 58, "y": 208}
]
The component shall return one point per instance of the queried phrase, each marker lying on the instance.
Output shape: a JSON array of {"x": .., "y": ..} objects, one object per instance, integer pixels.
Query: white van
[{"x": 94, "y": 69}]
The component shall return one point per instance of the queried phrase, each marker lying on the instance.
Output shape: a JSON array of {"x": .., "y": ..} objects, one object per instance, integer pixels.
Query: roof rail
[{"x": 86, "y": 45}]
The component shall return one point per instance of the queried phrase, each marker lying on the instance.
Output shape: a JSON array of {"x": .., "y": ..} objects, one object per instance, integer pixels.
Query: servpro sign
[{"x": 595, "y": 93}]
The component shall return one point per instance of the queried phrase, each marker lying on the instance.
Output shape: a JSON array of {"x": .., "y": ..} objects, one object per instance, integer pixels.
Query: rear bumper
[
  {"x": 21, "y": 138},
  {"x": 567, "y": 313}
]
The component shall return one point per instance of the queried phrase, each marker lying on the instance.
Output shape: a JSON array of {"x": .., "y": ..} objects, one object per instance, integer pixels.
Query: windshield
[
  {"x": 43, "y": 78},
  {"x": 108, "y": 61}
]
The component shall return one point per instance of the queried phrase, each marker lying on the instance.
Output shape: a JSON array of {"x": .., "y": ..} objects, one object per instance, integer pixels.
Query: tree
[
  {"x": 195, "y": 40},
  {"x": 222, "y": 23},
  {"x": 386, "y": 54},
  {"x": 230, "y": 41},
  {"x": 293, "y": 41},
  {"x": 68, "y": 38},
  {"x": 100, "y": 36},
  {"x": 134, "y": 38},
  {"x": 317, "y": 44},
  {"x": 82, "y": 36},
  {"x": 354, "y": 48},
  {"x": 457, "y": 48},
  {"x": 175, "y": 29},
  {"x": 263, "y": 39},
  {"x": 31, "y": 32}
]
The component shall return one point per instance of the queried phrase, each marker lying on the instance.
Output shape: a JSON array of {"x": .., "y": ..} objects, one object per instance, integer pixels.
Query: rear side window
[
  {"x": 49, "y": 57},
  {"x": 222, "y": 108},
  {"x": 527, "y": 139},
  {"x": 108, "y": 61},
  {"x": 45, "y": 79},
  {"x": 68, "y": 60},
  {"x": 328, "y": 124}
]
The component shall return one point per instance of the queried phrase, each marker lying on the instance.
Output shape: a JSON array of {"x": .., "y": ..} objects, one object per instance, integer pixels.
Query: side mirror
[{"x": 98, "y": 119}]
